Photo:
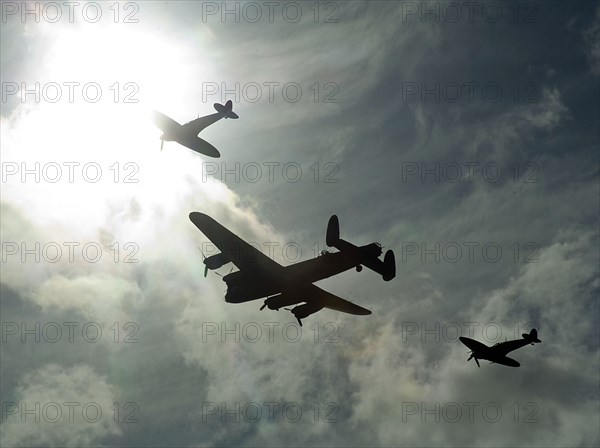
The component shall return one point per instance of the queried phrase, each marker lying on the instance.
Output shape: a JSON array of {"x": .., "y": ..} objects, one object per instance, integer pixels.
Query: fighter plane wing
[
  {"x": 331, "y": 301},
  {"x": 197, "y": 125},
  {"x": 199, "y": 145},
  {"x": 506, "y": 361},
  {"x": 163, "y": 122},
  {"x": 242, "y": 254},
  {"x": 473, "y": 344},
  {"x": 503, "y": 348}
]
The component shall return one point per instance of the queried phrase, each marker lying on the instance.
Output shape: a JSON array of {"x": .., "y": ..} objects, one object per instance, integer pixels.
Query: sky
[{"x": 463, "y": 136}]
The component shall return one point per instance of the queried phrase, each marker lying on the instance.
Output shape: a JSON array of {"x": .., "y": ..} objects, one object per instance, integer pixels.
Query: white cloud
[
  {"x": 60, "y": 424},
  {"x": 371, "y": 371}
]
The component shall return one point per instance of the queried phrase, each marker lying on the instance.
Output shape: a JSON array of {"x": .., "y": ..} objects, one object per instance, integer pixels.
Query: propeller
[
  {"x": 473, "y": 356},
  {"x": 287, "y": 309},
  {"x": 203, "y": 256},
  {"x": 206, "y": 266},
  {"x": 265, "y": 304},
  {"x": 162, "y": 142},
  {"x": 297, "y": 318}
]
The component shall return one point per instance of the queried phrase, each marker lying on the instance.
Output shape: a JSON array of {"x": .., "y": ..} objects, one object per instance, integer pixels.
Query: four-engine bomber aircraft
[
  {"x": 497, "y": 353},
  {"x": 259, "y": 276},
  {"x": 187, "y": 134}
]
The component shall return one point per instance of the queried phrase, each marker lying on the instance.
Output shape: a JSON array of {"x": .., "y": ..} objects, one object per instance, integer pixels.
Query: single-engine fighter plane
[
  {"x": 187, "y": 134},
  {"x": 259, "y": 276},
  {"x": 497, "y": 353}
]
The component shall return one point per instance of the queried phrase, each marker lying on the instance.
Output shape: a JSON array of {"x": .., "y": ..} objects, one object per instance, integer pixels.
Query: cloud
[
  {"x": 46, "y": 390},
  {"x": 96, "y": 296},
  {"x": 371, "y": 372},
  {"x": 591, "y": 39},
  {"x": 553, "y": 295}
]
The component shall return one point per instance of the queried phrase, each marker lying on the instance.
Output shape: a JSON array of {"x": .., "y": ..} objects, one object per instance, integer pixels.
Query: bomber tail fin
[
  {"x": 333, "y": 231},
  {"x": 389, "y": 266}
]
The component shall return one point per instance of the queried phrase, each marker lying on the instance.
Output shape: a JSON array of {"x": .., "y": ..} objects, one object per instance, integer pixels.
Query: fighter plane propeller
[
  {"x": 205, "y": 265},
  {"x": 473, "y": 356}
]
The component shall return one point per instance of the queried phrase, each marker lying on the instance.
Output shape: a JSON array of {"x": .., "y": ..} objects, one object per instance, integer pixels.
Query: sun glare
[
  {"x": 137, "y": 70},
  {"x": 159, "y": 66}
]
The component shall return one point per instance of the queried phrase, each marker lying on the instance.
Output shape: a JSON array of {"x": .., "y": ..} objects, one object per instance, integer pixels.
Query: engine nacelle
[
  {"x": 389, "y": 266},
  {"x": 215, "y": 261},
  {"x": 280, "y": 301},
  {"x": 235, "y": 278},
  {"x": 306, "y": 309}
]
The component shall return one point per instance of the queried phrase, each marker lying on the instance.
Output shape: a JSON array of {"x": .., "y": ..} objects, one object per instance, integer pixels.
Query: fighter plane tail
[
  {"x": 226, "y": 109},
  {"x": 532, "y": 336}
]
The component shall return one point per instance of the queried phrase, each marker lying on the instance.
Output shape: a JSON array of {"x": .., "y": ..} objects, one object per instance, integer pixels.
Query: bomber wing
[
  {"x": 242, "y": 254},
  {"x": 318, "y": 296}
]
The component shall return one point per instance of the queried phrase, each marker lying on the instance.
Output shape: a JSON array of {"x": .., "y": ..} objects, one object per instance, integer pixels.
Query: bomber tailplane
[{"x": 387, "y": 267}]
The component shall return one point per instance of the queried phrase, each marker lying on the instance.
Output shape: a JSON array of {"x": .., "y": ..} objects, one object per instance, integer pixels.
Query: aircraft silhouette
[
  {"x": 187, "y": 134},
  {"x": 260, "y": 276},
  {"x": 497, "y": 353}
]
